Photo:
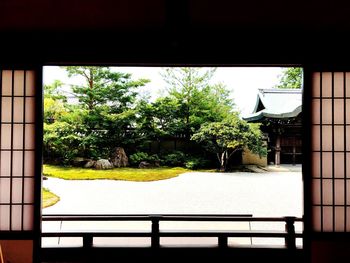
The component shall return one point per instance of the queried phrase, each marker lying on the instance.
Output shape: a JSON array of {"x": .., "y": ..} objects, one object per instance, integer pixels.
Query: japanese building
[{"x": 279, "y": 112}]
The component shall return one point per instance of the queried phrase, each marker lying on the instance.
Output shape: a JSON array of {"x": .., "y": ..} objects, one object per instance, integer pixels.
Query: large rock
[
  {"x": 145, "y": 165},
  {"x": 79, "y": 161},
  {"x": 103, "y": 164},
  {"x": 89, "y": 164},
  {"x": 119, "y": 158}
]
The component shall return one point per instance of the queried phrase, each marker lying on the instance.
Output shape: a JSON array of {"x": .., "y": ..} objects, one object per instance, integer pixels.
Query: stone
[
  {"x": 103, "y": 164},
  {"x": 156, "y": 163},
  {"x": 119, "y": 158},
  {"x": 89, "y": 164},
  {"x": 145, "y": 165},
  {"x": 79, "y": 161}
]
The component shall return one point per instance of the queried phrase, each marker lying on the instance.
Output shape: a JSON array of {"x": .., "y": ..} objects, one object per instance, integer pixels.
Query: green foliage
[
  {"x": 291, "y": 78},
  {"x": 54, "y": 91},
  {"x": 175, "y": 158},
  {"x": 62, "y": 140},
  {"x": 104, "y": 86},
  {"x": 54, "y": 102},
  {"x": 196, "y": 100},
  {"x": 102, "y": 120},
  {"x": 228, "y": 136},
  {"x": 54, "y": 110},
  {"x": 108, "y": 114},
  {"x": 138, "y": 157},
  {"x": 194, "y": 163}
]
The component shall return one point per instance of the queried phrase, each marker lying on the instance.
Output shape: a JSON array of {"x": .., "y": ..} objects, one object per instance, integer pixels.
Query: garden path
[{"x": 266, "y": 194}]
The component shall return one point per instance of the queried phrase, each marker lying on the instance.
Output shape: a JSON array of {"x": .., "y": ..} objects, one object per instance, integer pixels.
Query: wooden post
[
  {"x": 155, "y": 239},
  {"x": 222, "y": 241},
  {"x": 290, "y": 229},
  {"x": 1, "y": 256},
  {"x": 294, "y": 150},
  {"x": 278, "y": 150},
  {"x": 87, "y": 241}
]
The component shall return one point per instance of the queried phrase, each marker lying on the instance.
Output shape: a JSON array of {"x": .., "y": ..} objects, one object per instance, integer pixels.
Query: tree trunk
[
  {"x": 91, "y": 86},
  {"x": 223, "y": 161}
]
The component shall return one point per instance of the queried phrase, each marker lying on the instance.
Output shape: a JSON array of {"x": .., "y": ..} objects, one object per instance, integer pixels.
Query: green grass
[
  {"x": 49, "y": 198},
  {"x": 126, "y": 174}
]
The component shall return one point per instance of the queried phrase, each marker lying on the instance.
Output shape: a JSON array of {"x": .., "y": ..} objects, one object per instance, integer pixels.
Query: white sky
[{"x": 242, "y": 81}]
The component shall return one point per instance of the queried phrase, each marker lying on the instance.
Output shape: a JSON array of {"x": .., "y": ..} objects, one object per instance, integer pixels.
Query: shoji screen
[
  {"x": 330, "y": 151},
  {"x": 17, "y": 150}
]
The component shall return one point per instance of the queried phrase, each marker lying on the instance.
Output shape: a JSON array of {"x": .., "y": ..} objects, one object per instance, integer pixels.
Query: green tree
[
  {"x": 103, "y": 118},
  {"x": 291, "y": 78},
  {"x": 62, "y": 141},
  {"x": 54, "y": 91},
  {"x": 109, "y": 99},
  {"x": 228, "y": 136},
  {"x": 198, "y": 101},
  {"x": 53, "y": 110},
  {"x": 54, "y": 102},
  {"x": 103, "y": 86}
]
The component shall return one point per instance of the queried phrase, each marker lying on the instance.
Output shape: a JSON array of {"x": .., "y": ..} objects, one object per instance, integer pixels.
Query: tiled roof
[{"x": 276, "y": 103}]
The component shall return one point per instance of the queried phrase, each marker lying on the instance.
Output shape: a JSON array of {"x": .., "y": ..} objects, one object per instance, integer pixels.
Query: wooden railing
[{"x": 289, "y": 234}]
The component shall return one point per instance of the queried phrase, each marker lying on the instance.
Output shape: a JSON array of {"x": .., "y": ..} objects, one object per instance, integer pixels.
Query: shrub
[
  {"x": 62, "y": 141},
  {"x": 176, "y": 158},
  {"x": 196, "y": 163},
  {"x": 138, "y": 157}
]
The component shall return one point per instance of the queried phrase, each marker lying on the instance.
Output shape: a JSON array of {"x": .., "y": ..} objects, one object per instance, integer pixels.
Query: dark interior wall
[
  {"x": 311, "y": 15},
  {"x": 168, "y": 31}
]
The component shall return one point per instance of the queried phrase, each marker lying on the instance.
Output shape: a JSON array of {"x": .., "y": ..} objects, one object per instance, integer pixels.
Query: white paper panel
[
  {"x": 338, "y": 84},
  {"x": 327, "y": 164},
  {"x": 316, "y": 164},
  {"x": 28, "y": 190},
  {"x": 5, "y": 163},
  {"x": 16, "y": 223},
  {"x": 6, "y": 82},
  {"x": 339, "y": 165},
  {"x": 17, "y": 166},
  {"x": 4, "y": 190},
  {"x": 315, "y": 140},
  {"x": 19, "y": 83},
  {"x": 339, "y": 192},
  {"x": 28, "y": 216},
  {"x": 339, "y": 138},
  {"x": 338, "y": 111},
  {"x": 29, "y": 136},
  {"x": 5, "y": 136},
  {"x": 18, "y": 109},
  {"x": 339, "y": 219},
  {"x": 316, "y": 218},
  {"x": 6, "y": 104},
  {"x": 29, "y": 158},
  {"x": 30, "y": 83},
  {"x": 326, "y": 111},
  {"x": 315, "y": 110},
  {"x": 30, "y": 110},
  {"x": 18, "y": 136},
  {"x": 17, "y": 190},
  {"x": 5, "y": 217},
  {"x": 316, "y": 84},
  {"x": 327, "y": 192},
  {"x": 316, "y": 191},
  {"x": 328, "y": 219},
  {"x": 327, "y": 138},
  {"x": 326, "y": 84}
]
